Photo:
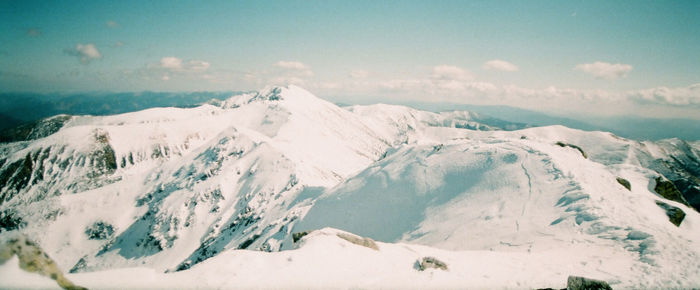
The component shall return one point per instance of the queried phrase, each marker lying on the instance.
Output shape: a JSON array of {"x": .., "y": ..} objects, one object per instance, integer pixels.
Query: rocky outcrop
[
  {"x": 298, "y": 235},
  {"x": 99, "y": 231},
  {"x": 562, "y": 144},
  {"x": 10, "y": 221},
  {"x": 581, "y": 283},
  {"x": 360, "y": 241},
  {"x": 32, "y": 258},
  {"x": 103, "y": 159},
  {"x": 428, "y": 263},
  {"x": 624, "y": 182},
  {"x": 675, "y": 214},
  {"x": 35, "y": 130},
  {"x": 15, "y": 176},
  {"x": 668, "y": 190},
  {"x": 357, "y": 240},
  {"x": 56, "y": 169}
]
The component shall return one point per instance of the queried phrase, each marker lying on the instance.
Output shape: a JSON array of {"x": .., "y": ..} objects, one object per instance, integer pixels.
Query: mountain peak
[
  {"x": 270, "y": 93},
  {"x": 279, "y": 93},
  {"x": 289, "y": 94}
]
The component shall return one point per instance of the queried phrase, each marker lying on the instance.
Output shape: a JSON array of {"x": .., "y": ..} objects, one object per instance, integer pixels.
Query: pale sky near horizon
[{"x": 579, "y": 57}]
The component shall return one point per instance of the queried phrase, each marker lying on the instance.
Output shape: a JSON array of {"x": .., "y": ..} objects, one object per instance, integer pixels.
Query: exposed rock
[
  {"x": 25, "y": 173},
  {"x": 248, "y": 242},
  {"x": 675, "y": 214},
  {"x": 99, "y": 231},
  {"x": 14, "y": 177},
  {"x": 581, "y": 283},
  {"x": 562, "y": 144},
  {"x": 668, "y": 190},
  {"x": 682, "y": 167},
  {"x": 79, "y": 265},
  {"x": 32, "y": 259},
  {"x": 429, "y": 262},
  {"x": 365, "y": 242},
  {"x": 297, "y": 236},
  {"x": 34, "y": 130},
  {"x": 624, "y": 182},
  {"x": 6, "y": 179},
  {"x": 9, "y": 221},
  {"x": 104, "y": 158}
]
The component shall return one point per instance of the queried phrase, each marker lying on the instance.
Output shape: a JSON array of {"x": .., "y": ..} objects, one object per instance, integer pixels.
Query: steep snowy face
[
  {"x": 327, "y": 142},
  {"x": 171, "y": 187}
]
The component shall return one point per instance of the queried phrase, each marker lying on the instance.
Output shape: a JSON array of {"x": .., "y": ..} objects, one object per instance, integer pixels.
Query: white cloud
[
  {"x": 447, "y": 83},
  {"x": 604, "y": 70},
  {"x": 111, "y": 24},
  {"x": 329, "y": 85},
  {"x": 171, "y": 62},
  {"x": 450, "y": 73},
  {"x": 176, "y": 64},
  {"x": 359, "y": 74},
  {"x": 293, "y": 68},
  {"x": 85, "y": 52},
  {"x": 444, "y": 82},
  {"x": 415, "y": 85},
  {"x": 448, "y": 80},
  {"x": 683, "y": 96},
  {"x": 283, "y": 73},
  {"x": 501, "y": 65},
  {"x": 197, "y": 65},
  {"x": 287, "y": 80},
  {"x": 175, "y": 68},
  {"x": 294, "y": 65}
]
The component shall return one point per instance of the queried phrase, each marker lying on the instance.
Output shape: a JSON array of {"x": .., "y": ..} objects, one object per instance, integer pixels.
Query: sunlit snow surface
[{"x": 194, "y": 187}]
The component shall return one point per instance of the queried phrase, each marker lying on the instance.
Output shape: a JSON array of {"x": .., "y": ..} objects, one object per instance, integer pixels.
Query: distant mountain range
[
  {"x": 633, "y": 127},
  {"x": 20, "y": 108}
]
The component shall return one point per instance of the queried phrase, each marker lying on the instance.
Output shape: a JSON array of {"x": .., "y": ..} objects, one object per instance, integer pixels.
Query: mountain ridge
[{"x": 171, "y": 188}]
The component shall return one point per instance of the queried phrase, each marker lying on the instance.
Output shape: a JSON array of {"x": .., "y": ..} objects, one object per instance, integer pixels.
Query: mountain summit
[{"x": 185, "y": 191}]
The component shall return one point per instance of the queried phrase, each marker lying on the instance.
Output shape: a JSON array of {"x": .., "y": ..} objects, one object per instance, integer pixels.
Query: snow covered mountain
[{"x": 172, "y": 189}]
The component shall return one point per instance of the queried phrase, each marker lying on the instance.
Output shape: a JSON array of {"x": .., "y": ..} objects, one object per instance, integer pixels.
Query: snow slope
[
  {"x": 205, "y": 191},
  {"x": 188, "y": 182},
  {"x": 325, "y": 261},
  {"x": 520, "y": 195}
]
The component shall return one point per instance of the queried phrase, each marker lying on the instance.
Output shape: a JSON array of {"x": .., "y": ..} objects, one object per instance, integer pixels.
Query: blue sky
[{"x": 606, "y": 57}]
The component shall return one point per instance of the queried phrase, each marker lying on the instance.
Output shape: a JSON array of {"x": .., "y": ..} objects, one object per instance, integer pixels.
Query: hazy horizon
[
  {"x": 23, "y": 108},
  {"x": 581, "y": 57}
]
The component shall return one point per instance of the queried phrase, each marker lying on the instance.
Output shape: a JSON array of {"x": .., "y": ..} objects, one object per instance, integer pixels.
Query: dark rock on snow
[
  {"x": 668, "y": 190},
  {"x": 581, "y": 283},
  {"x": 675, "y": 214},
  {"x": 430, "y": 262},
  {"x": 624, "y": 182},
  {"x": 562, "y": 144}
]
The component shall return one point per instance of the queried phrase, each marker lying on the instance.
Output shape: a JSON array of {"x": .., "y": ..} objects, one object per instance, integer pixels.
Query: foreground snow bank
[
  {"x": 23, "y": 264},
  {"x": 13, "y": 277},
  {"x": 325, "y": 259}
]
